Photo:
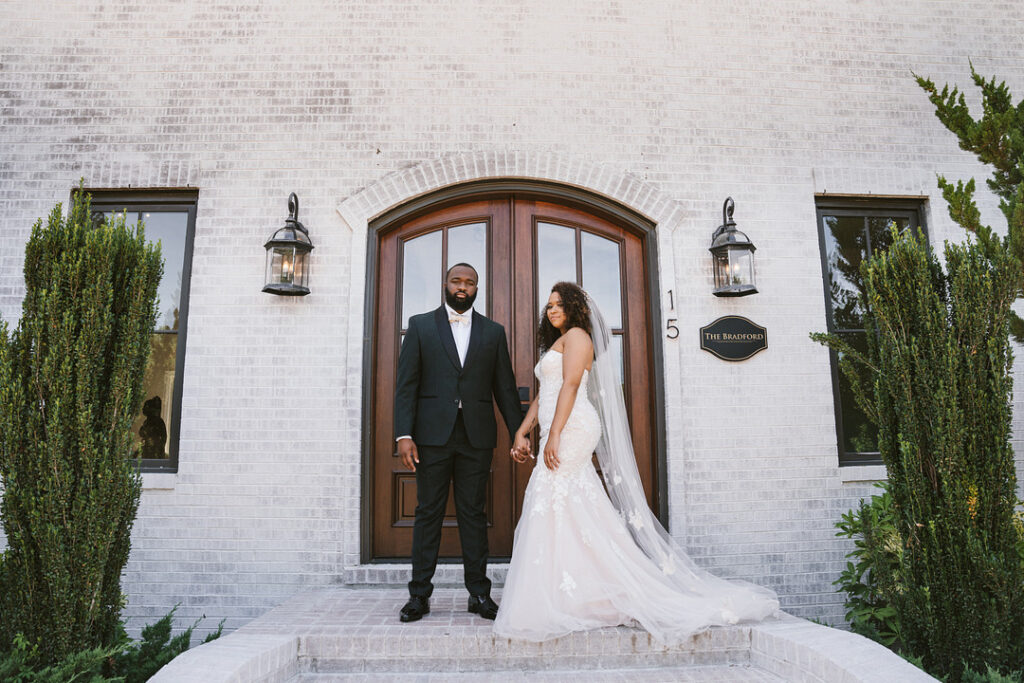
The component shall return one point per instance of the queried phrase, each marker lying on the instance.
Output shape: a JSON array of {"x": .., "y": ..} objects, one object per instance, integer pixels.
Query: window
[
  {"x": 850, "y": 230},
  {"x": 170, "y": 218}
]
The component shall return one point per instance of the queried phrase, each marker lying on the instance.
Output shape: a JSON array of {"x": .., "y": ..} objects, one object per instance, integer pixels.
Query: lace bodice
[{"x": 583, "y": 428}]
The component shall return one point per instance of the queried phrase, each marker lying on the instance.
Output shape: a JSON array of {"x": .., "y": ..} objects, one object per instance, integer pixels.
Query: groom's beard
[{"x": 459, "y": 305}]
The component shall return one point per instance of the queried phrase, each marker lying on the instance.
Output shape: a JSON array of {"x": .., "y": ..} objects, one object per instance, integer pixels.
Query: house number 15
[{"x": 671, "y": 331}]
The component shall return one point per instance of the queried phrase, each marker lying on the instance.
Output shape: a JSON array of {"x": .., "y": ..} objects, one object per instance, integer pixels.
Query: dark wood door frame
[{"x": 568, "y": 195}]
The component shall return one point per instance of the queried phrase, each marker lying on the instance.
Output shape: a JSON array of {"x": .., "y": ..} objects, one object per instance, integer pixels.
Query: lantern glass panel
[
  {"x": 273, "y": 266},
  {"x": 300, "y": 268},
  {"x": 741, "y": 267},
  {"x": 288, "y": 265},
  {"x": 721, "y": 269},
  {"x": 280, "y": 265}
]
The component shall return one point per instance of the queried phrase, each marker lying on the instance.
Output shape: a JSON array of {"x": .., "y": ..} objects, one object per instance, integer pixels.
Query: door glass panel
[
  {"x": 601, "y": 276},
  {"x": 421, "y": 275},
  {"x": 556, "y": 258},
  {"x": 845, "y": 248},
  {"x": 616, "y": 350},
  {"x": 468, "y": 244}
]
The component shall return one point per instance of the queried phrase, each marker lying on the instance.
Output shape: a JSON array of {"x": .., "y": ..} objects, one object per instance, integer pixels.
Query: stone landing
[{"x": 353, "y": 634}]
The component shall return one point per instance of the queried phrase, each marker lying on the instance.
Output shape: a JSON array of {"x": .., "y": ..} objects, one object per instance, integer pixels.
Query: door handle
[{"x": 524, "y": 399}]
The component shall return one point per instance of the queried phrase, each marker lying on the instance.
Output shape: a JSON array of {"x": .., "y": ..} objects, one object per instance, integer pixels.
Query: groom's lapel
[
  {"x": 444, "y": 331},
  {"x": 476, "y": 333}
]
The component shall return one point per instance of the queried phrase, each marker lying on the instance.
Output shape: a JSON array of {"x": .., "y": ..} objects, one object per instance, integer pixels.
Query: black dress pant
[{"x": 467, "y": 468}]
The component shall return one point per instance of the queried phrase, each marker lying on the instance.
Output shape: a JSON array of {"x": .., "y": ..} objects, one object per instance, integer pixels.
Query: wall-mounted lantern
[
  {"x": 733, "y": 256},
  {"x": 288, "y": 256}
]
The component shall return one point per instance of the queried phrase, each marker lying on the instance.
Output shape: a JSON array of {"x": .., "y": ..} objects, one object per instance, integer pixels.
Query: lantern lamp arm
[
  {"x": 293, "y": 207},
  {"x": 727, "y": 222}
]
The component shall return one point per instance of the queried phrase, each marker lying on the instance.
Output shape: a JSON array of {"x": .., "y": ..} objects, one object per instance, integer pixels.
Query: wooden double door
[{"x": 520, "y": 246}]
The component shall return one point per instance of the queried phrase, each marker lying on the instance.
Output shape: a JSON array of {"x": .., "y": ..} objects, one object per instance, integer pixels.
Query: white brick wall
[{"x": 358, "y": 106}]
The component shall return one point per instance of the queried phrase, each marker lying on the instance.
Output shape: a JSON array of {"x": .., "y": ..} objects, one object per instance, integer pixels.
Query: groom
[{"x": 452, "y": 362}]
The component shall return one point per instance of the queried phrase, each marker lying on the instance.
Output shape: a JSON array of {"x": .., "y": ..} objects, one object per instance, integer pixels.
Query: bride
[{"x": 583, "y": 558}]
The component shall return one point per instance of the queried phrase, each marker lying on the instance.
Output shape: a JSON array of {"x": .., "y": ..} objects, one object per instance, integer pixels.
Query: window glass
[
  {"x": 880, "y": 230},
  {"x": 849, "y": 236},
  {"x": 168, "y": 218},
  {"x": 845, "y": 248},
  {"x": 153, "y": 426},
  {"x": 170, "y": 229},
  {"x": 859, "y": 434}
]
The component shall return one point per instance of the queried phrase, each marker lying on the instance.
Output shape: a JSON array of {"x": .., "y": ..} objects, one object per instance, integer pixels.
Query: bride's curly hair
[{"x": 577, "y": 313}]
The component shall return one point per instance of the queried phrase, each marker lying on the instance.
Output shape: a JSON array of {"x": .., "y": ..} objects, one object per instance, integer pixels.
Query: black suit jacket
[{"x": 431, "y": 382}]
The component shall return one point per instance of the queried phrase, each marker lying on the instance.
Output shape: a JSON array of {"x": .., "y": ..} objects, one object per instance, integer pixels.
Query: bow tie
[{"x": 461, "y": 319}]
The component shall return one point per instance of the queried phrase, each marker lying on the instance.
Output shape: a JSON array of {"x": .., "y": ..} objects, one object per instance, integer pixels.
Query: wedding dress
[{"x": 580, "y": 563}]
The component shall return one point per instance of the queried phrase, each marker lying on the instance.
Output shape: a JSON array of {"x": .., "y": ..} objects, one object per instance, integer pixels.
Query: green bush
[
  {"x": 87, "y": 666},
  {"x": 137, "y": 661},
  {"x": 126, "y": 662},
  {"x": 872, "y": 574},
  {"x": 70, "y": 385},
  {"x": 992, "y": 676}
]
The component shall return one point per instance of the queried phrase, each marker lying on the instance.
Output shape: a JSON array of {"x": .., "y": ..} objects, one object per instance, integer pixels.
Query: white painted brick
[{"x": 665, "y": 108}]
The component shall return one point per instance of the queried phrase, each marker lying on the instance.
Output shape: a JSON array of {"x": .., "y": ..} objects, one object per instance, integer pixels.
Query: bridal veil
[{"x": 740, "y": 601}]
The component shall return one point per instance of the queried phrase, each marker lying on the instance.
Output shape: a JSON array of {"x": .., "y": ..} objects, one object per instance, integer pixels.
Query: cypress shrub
[
  {"x": 937, "y": 380},
  {"x": 70, "y": 385}
]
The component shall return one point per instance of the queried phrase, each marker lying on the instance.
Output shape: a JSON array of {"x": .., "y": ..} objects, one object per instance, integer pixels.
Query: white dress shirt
[{"x": 461, "y": 332}]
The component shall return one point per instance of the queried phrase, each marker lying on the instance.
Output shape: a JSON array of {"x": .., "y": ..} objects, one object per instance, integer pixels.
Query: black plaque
[{"x": 733, "y": 338}]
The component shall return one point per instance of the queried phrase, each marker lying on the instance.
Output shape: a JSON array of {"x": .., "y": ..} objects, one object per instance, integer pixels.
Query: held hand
[
  {"x": 521, "y": 449},
  {"x": 551, "y": 451},
  {"x": 410, "y": 456}
]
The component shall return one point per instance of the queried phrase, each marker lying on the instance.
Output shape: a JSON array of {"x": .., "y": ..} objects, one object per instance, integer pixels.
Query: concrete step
[
  {"x": 448, "y": 575},
  {"x": 365, "y": 636},
  {"x": 347, "y": 634},
  {"x": 687, "y": 674}
]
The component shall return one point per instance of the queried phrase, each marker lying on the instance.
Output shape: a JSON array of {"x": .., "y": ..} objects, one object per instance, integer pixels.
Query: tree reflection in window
[{"x": 849, "y": 236}]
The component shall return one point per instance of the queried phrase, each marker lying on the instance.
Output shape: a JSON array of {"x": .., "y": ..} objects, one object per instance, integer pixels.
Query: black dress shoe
[
  {"x": 415, "y": 609},
  {"x": 484, "y": 606}
]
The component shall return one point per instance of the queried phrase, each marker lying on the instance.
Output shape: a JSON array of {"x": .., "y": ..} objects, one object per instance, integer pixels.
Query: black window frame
[
  {"x": 867, "y": 207},
  {"x": 156, "y": 200}
]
